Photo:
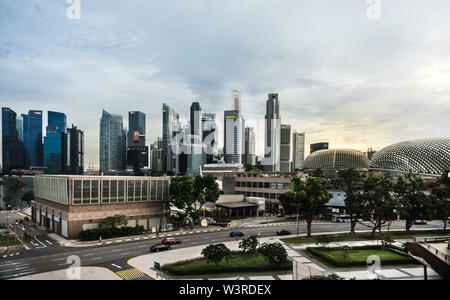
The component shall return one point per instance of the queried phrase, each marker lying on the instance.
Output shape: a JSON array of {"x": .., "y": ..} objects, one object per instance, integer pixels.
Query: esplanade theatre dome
[
  {"x": 425, "y": 156},
  {"x": 337, "y": 159}
]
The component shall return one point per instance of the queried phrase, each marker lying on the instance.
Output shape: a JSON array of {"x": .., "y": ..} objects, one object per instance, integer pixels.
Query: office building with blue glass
[
  {"x": 55, "y": 144},
  {"x": 11, "y": 144}
]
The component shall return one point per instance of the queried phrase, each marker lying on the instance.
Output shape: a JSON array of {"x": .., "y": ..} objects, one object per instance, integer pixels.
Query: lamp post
[{"x": 7, "y": 227}]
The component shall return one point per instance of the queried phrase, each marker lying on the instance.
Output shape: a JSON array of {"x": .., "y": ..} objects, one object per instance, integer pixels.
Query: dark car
[
  {"x": 420, "y": 222},
  {"x": 236, "y": 233},
  {"x": 283, "y": 232},
  {"x": 171, "y": 241},
  {"x": 159, "y": 247}
]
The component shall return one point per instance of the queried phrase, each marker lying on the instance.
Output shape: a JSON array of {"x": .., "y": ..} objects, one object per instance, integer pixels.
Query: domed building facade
[
  {"x": 425, "y": 156},
  {"x": 337, "y": 159}
]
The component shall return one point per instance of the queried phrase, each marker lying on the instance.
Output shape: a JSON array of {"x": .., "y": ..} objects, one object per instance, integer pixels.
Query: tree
[
  {"x": 324, "y": 277},
  {"x": 346, "y": 250},
  {"x": 114, "y": 222},
  {"x": 187, "y": 193},
  {"x": 309, "y": 197},
  {"x": 28, "y": 196},
  {"x": 16, "y": 189},
  {"x": 291, "y": 205},
  {"x": 216, "y": 253},
  {"x": 249, "y": 245},
  {"x": 274, "y": 253},
  {"x": 377, "y": 202},
  {"x": 441, "y": 199},
  {"x": 414, "y": 204},
  {"x": 348, "y": 181},
  {"x": 324, "y": 240}
]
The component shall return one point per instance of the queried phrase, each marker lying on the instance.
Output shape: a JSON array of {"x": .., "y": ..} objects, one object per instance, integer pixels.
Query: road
[{"x": 115, "y": 256}]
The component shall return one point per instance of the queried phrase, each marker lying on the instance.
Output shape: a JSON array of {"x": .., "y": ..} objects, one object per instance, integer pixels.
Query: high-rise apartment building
[
  {"x": 271, "y": 161},
  {"x": 112, "y": 143},
  {"x": 298, "y": 150},
  {"x": 285, "y": 148},
  {"x": 169, "y": 117}
]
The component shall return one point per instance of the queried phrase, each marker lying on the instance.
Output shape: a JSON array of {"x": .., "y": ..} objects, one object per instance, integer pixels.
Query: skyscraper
[
  {"x": 180, "y": 147},
  {"x": 250, "y": 147},
  {"x": 233, "y": 137},
  {"x": 285, "y": 148},
  {"x": 196, "y": 157},
  {"x": 19, "y": 126},
  {"x": 137, "y": 152},
  {"x": 112, "y": 143},
  {"x": 235, "y": 100},
  {"x": 55, "y": 144},
  {"x": 11, "y": 145},
  {"x": 298, "y": 151},
  {"x": 32, "y": 134},
  {"x": 169, "y": 116},
  {"x": 75, "y": 151},
  {"x": 210, "y": 136},
  {"x": 271, "y": 161}
]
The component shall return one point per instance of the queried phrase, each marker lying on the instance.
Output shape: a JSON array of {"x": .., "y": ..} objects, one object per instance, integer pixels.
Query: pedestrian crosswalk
[
  {"x": 9, "y": 270},
  {"x": 130, "y": 273}
]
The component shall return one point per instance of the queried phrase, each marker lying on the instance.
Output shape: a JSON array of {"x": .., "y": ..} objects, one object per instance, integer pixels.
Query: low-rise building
[{"x": 68, "y": 205}]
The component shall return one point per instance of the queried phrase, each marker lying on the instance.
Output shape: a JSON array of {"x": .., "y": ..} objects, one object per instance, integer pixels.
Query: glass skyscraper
[
  {"x": 75, "y": 151},
  {"x": 169, "y": 116},
  {"x": 271, "y": 161},
  {"x": 32, "y": 135},
  {"x": 112, "y": 143},
  {"x": 11, "y": 145},
  {"x": 55, "y": 144},
  {"x": 137, "y": 152}
]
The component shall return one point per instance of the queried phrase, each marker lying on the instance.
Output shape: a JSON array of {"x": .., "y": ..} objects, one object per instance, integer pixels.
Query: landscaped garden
[
  {"x": 12, "y": 241},
  {"x": 341, "y": 257},
  {"x": 218, "y": 259}
]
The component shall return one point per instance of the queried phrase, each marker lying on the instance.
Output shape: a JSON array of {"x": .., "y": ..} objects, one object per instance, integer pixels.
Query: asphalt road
[{"x": 115, "y": 256}]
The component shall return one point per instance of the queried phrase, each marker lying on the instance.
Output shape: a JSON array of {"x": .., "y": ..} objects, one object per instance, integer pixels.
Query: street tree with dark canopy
[
  {"x": 441, "y": 193},
  {"x": 249, "y": 245},
  {"x": 216, "y": 253},
  {"x": 349, "y": 180},
  {"x": 274, "y": 253}
]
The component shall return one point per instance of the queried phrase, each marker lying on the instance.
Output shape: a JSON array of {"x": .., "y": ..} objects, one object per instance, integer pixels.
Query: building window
[
  {"x": 121, "y": 191},
  {"x": 86, "y": 192},
  {"x": 130, "y": 195},
  {"x": 105, "y": 191},
  {"x": 77, "y": 192},
  {"x": 94, "y": 191}
]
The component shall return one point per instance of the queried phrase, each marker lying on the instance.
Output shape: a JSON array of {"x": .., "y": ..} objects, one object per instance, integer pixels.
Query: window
[
  {"x": 145, "y": 190},
  {"x": 77, "y": 192},
  {"x": 280, "y": 186},
  {"x": 152, "y": 190},
  {"x": 105, "y": 191},
  {"x": 86, "y": 192},
  {"x": 130, "y": 197},
  {"x": 121, "y": 191},
  {"x": 137, "y": 191},
  {"x": 94, "y": 191},
  {"x": 113, "y": 192}
]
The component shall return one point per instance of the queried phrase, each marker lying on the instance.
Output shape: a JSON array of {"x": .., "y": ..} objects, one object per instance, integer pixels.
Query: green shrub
[{"x": 107, "y": 233}]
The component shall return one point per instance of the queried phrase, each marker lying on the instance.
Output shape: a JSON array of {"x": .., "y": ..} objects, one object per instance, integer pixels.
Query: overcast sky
[{"x": 341, "y": 76}]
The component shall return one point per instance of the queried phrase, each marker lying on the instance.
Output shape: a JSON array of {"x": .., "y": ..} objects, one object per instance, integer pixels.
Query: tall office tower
[
  {"x": 235, "y": 100},
  {"x": 180, "y": 144},
  {"x": 298, "y": 151},
  {"x": 157, "y": 155},
  {"x": 11, "y": 145},
  {"x": 233, "y": 137},
  {"x": 250, "y": 147},
  {"x": 32, "y": 135},
  {"x": 75, "y": 151},
  {"x": 137, "y": 152},
  {"x": 271, "y": 161},
  {"x": 285, "y": 148},
  {"x": 55, "y": 144},
  {"x": 112, "y": 143},
  {"x": 210, "y": 136},
  {"x": 318, "y": 146},
  {"x": 196, "y": 157},
  {"x": 169, "y": 116},
  {"x": 19, "y": 126}
]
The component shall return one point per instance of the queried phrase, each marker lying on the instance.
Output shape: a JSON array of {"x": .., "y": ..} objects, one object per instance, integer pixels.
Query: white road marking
[
  {"x": 146, "y": 238},
  {"x": 137, "y": 239},
  {"x": 34, "y": 244},
  {"x": 127, "y": 240},
  {"x": 48, "y": 242},
  {"x": 97, "y": 258},
  {"x": 118, "y": 241},
  {"x": 115, "y": 250},
  {"x": 40, "y": 242},
  {"x": 126, "y": 253},
  {"x": 116, "y": 266},
  {"x": 143, "y": 246},
  {"x": 56, "y": 259},
  {"x": 90, "y": 254},
  {"x": 13, "y": 269},
  {"x": 108, "y": 243}
]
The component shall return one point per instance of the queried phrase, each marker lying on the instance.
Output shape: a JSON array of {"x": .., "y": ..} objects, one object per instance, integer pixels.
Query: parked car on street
[
  {"x": 159, "y": 247},
  {"x": 171, "y": 241},
  {"x": 283, "y": 232},
  {"x": 420, "y": 222},
  {"x": 236, "y": 233}
]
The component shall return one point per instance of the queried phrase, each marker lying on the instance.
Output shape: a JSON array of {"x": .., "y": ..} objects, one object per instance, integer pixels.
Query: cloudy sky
[{"x": 341, "y": 76}]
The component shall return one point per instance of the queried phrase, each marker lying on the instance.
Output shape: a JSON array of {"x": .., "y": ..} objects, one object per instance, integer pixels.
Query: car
[
  {"x": 280, "y": 215},
  {"x": 159, "y": 247},
  {"x": 283, "y": 232},
  {"x": 236, "y": 233},
  {"x": 171, "y": 241},
  {"x": 420, "y": 222}
]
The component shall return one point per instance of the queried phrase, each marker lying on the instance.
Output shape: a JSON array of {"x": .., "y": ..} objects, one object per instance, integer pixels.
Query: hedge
[
  {"x": 107, "y": 233},
  {"x": 318, "y": 253}
]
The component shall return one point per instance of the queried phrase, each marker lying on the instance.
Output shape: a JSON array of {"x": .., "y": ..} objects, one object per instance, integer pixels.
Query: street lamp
[{"x": 7, "y": 227}]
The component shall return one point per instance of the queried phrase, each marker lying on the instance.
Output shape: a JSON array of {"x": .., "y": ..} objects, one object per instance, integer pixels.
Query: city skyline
[{"x": 384, "y": 82}]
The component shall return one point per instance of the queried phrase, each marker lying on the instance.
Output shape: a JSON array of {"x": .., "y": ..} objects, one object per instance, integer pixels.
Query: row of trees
[
  {"x": 376, "y": 200},
  {"x": 15, "y": 188}
]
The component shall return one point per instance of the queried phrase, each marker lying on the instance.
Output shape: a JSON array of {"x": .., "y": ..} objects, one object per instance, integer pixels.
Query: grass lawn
[
  {"x": 241, "y": 263},
  {"x": 334, "y": 257},
  {"x": 11, "y": 241},
  {"x": 366, "y": 236}
]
